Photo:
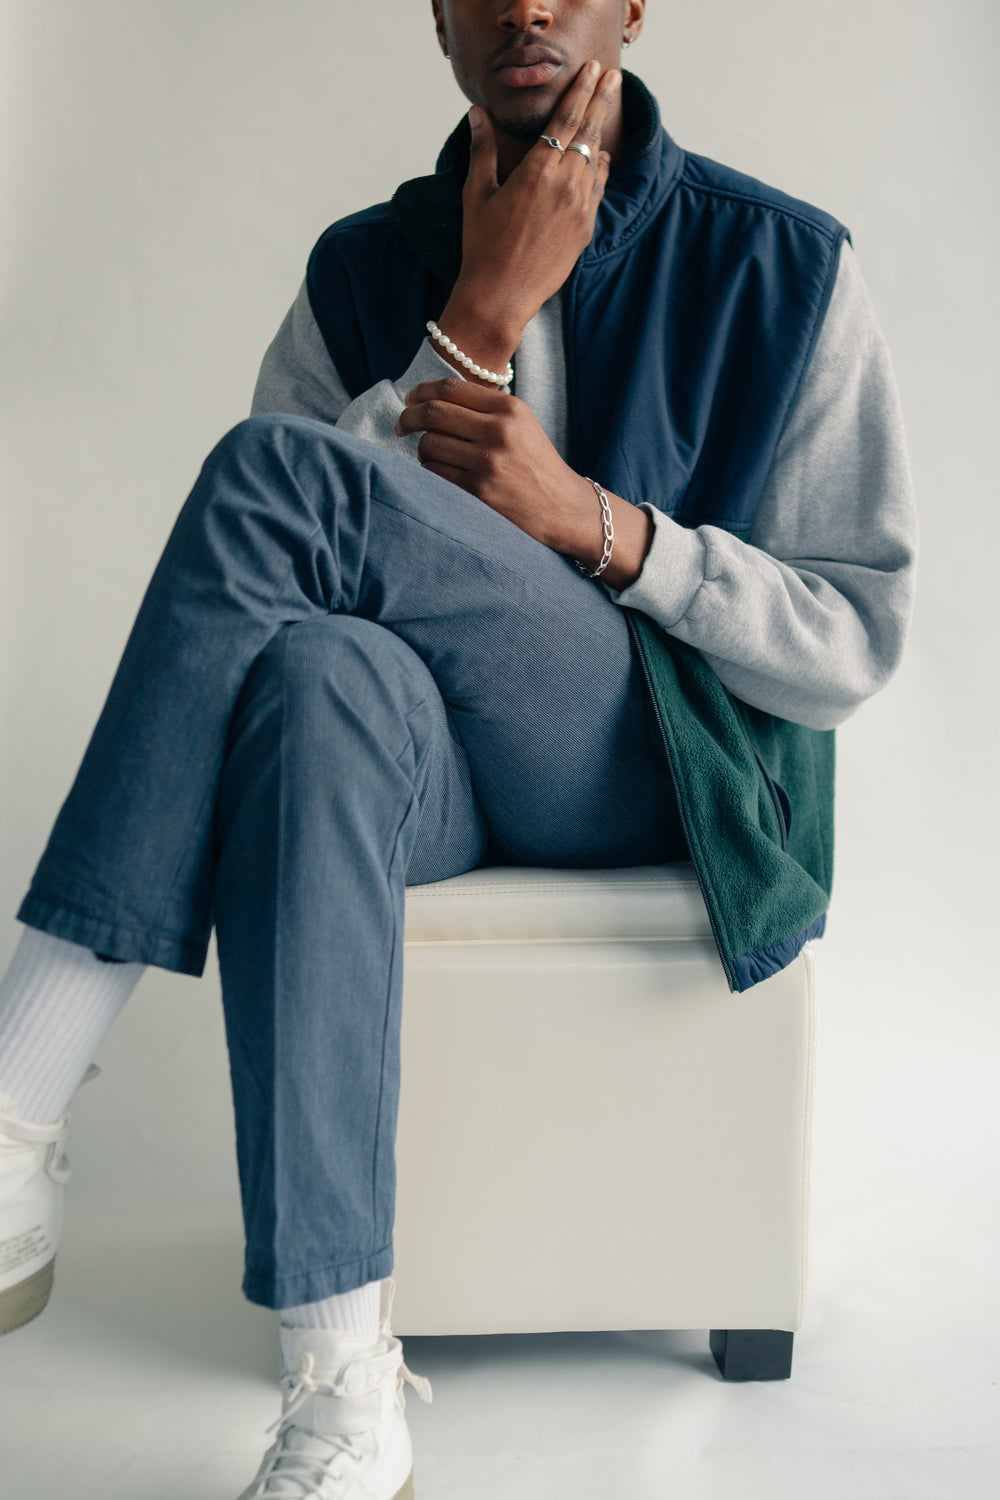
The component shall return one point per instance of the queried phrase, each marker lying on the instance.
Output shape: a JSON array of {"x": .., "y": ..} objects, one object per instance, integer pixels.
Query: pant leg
[
  {"x": 342, "y": 772},
  {"x": 288, "y": 521}
]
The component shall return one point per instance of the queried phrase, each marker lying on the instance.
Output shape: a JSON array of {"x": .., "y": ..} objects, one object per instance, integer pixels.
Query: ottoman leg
[{"x": 752, "y": 1353}]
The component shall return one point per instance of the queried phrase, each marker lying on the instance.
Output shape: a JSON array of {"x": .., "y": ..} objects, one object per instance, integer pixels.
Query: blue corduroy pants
[{"x": 346, "y": 676}]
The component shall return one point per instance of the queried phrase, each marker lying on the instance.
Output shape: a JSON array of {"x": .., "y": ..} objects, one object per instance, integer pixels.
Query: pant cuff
[
  {"x": 313, "y": 1286},
  {"x": 180, "y": 955}
]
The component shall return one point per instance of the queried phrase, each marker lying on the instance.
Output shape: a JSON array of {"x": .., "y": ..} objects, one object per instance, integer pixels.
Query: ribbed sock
[
  {"x": 355, "y": 1312},
  {"x": 58, "y": 1001}
]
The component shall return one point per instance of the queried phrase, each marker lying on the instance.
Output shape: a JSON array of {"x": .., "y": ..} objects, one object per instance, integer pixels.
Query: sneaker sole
[{"x": 20, "y": 1303}]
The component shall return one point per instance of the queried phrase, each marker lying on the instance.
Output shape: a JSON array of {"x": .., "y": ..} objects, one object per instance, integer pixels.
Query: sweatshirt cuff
[
  {"x": 426, "y": 364},
  {"x": 373, "y": 414},
  {"x": 672, "y": 573}
]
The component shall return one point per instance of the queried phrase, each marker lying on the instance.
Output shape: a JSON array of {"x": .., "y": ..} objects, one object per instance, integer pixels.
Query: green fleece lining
[{"x": 763, "y": 885}]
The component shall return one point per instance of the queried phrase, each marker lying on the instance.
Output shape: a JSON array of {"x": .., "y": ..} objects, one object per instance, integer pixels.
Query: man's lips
[
  {"x": 527, "y": 78},
  {"x": 527, "y": 67}
]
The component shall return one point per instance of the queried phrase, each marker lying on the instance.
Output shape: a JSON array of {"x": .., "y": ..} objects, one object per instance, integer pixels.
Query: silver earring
[{"x": 628, "y": 39}]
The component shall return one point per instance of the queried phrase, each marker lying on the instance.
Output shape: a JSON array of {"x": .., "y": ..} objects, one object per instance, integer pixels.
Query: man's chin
[{"x": 525, "y": 129}]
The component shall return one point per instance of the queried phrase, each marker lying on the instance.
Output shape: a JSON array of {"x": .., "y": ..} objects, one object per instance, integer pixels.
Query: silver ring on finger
[
  {"x": 583, "y": 149},
  {"x": 553, "y": 140}
]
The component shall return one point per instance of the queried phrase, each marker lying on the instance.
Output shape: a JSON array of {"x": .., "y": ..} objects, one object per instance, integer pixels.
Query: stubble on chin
[{"x": 521, "y": 130}]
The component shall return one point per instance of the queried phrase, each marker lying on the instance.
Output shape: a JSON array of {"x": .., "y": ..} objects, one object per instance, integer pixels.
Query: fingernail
[
  {"x": 615, "y": 81},
  {"x": 475, "y": 117},
  {"x": 593, "y": 68}
]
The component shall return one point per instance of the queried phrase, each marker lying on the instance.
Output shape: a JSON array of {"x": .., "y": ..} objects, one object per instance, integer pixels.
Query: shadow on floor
[{"x": 179, "y": 1290}]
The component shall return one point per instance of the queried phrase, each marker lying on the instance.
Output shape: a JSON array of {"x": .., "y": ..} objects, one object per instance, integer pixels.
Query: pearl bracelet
[
  {"x": 466, "y": 362},
  {"x": 609, "y": 534}
]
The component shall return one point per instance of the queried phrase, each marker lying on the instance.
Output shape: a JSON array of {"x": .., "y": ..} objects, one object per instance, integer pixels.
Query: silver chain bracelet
[{"x": 609, "y": 533}]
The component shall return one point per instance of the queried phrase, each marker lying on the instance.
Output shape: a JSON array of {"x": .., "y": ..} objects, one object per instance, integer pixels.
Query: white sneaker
[
  {"x": 34, "y": 1170},
  {"x": 342, "y": 1434}
]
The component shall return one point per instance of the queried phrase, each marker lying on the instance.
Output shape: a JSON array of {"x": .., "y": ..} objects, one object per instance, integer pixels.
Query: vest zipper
[
  {"x": 569, "y": 362},
  {"x": 569, "y": 322},
  {"x": 726, "y": 968}
]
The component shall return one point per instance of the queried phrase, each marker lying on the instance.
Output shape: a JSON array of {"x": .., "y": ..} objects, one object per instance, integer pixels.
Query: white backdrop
[{"x": 167, "y": 168}]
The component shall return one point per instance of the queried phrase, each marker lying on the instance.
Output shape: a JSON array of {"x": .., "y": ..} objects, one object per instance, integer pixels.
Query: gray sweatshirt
[{"x": 808, "y": 617}]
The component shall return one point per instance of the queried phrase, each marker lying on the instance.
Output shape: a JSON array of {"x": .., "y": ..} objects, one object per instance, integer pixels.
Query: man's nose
[{"x": 523, "y": 15}]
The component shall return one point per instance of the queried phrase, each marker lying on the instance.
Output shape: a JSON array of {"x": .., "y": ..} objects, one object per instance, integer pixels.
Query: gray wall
[{"x": 166, "y": 170}]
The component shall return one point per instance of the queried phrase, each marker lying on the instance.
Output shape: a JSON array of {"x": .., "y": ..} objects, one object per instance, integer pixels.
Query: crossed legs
[{"x": 345, "y": 675}]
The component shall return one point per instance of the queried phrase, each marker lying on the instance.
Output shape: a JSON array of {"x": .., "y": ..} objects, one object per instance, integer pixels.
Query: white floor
[{"x": 148, "y": 1377}]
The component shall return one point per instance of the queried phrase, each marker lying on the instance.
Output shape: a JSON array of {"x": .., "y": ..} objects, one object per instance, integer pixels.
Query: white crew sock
[
  {"x": 58, "y": 1001},
  {"x": 355, "y": 1312}
]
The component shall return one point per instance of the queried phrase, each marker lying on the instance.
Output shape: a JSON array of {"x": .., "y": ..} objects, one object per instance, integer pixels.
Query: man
[{"x": 584, "y": 578}]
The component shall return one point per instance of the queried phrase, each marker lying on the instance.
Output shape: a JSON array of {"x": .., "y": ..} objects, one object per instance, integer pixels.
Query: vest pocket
[{"x": 779, "y": 800}]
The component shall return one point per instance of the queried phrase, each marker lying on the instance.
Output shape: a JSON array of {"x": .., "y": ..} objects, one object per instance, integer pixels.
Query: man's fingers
[
  {"x": 467, "y": 424},
  {"x": 440, "y": 448},
  {"x": 482, "y": 178},
  {"x": 591, "y": 127},
  {"x": 580, "y": 117},
  {"x": 458, "y": 392},
  {"x": 567, "y": 117}
]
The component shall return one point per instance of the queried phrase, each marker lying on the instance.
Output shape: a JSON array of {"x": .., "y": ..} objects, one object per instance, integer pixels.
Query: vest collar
[{"x": 429, "y": 209}]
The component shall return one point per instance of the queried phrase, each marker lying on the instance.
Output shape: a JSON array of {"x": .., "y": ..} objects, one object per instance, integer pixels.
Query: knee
[
  {"x": 339, "y": 689},
  {"x": 346, "y": 659},
  {"x": 273, "y": 470},
  {"x": 279, "y": 467},
  {"x": 267, "y": 433},
  {"x": 286, "y": 435}
]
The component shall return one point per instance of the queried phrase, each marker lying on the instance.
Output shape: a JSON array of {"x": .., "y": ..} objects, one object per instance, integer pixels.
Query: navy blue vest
[
  {"x": 689, "y": 323},
  {"x": 689, "y": 319}
]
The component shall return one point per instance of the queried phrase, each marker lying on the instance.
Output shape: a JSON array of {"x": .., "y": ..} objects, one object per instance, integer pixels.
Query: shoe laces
[
  {"x": 306, "y": 1459},
  {"x": 303, "y": 1469}
]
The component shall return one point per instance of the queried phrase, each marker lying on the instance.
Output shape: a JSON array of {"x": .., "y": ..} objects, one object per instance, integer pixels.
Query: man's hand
[
  {"x": 493, "y": 446},
  {"x": 520, "y": 241}
]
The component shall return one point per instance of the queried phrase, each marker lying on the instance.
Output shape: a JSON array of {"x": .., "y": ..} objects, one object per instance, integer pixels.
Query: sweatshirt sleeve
[
  {"x": 808, "y": 617},
  {"x": 298, "y": 376}
]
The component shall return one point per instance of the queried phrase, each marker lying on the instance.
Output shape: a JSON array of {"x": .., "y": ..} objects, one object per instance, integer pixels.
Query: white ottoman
[{"x": 594, "y": 1133}]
